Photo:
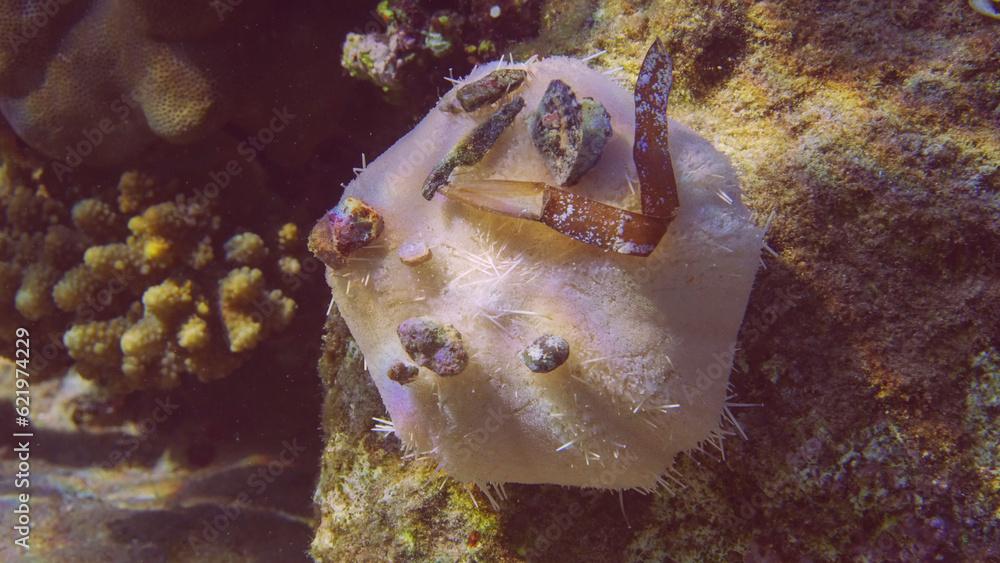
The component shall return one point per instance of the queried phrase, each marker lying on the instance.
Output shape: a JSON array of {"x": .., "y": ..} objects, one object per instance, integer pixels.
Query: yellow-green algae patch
[{"x": 374, "y": 504}]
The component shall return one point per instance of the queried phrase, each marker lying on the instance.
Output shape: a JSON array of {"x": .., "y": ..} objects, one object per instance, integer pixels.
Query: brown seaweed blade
[
  {"x": 574, "y": 215},
  {"x": 473, "y": 147},
  {"x": 602, "y": 225},
  {"x": 651, "y": 151}
]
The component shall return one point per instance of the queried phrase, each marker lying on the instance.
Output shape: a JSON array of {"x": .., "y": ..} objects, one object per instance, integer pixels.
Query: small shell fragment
[
  {"x": 350, "y": 225},
  {"x": 435, "y": 346},
  {"x": 988, "y": 8},
  {"x": 490, "y": 88},
  {"x": 569, "y": 134},
  {"x": 546, "y": 353},
  {"x": 403, "y": 373},
  {"x": 414, "y": 252}
]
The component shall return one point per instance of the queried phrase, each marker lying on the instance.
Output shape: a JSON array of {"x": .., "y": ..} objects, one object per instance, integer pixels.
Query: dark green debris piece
[
  {"x": 490, "y": 88},
  {"x": 546, "y": 353},
  {"x": 473, "y": 147}
]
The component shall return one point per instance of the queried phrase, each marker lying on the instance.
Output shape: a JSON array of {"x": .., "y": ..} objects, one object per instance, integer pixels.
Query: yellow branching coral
[
  {"x": 96, "y": 345},
  {"x": 249, "y": 311},
  {"x": 33, "y": 298},
  {"x": 136, "y": 283},
  {"x": 245, "y": 248},
  {"x": 95, "y": 218},
  {"x": 288, "y": 236}
]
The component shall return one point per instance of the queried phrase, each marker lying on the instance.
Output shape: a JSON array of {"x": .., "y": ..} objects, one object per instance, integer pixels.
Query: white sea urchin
[{"x": 651, "y": 338}]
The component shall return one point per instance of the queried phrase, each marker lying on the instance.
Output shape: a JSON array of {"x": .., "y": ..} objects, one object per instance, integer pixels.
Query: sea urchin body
[{"x": 649, "y": 340}]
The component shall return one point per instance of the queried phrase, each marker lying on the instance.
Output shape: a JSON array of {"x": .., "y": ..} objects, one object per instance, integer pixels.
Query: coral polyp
[{"x": 529, "y": 277}]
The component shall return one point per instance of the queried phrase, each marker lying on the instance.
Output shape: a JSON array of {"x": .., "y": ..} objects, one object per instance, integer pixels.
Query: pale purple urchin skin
[{"x": 651, "y": 339}]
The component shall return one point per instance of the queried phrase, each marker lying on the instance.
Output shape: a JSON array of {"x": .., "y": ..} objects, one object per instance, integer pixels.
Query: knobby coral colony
[{"x": 139, "y": 291}]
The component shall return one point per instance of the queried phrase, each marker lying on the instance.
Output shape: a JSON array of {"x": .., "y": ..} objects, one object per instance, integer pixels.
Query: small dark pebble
[
  {"x": 546, "y": 353},
  {"x": 433, "y": 345},
  {"x": 403, "y": 373}
]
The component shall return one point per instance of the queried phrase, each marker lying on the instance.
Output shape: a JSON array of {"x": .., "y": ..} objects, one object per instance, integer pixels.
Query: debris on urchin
[
  {"x": 569, "y": 134},
  {"x": 414, "y": 252},
  {"x": 473, "y": 147},
  {"x": 351, "y": 225},
  {"x": 435, "y": 346},
  {"x": 546, "y": 353},
  {"x": 403, "y": 373},
  {"x": 490, "y": 88},
  {"x": 652, "y": 325}
]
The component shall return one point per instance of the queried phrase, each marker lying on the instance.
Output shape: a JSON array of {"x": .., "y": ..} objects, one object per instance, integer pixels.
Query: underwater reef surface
[
  {"x": 173, "y": 413},
  {"x": 217, "y": 472},
  {"x": 865, "y": 135},
  {"x": 405, "y": 44}
]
